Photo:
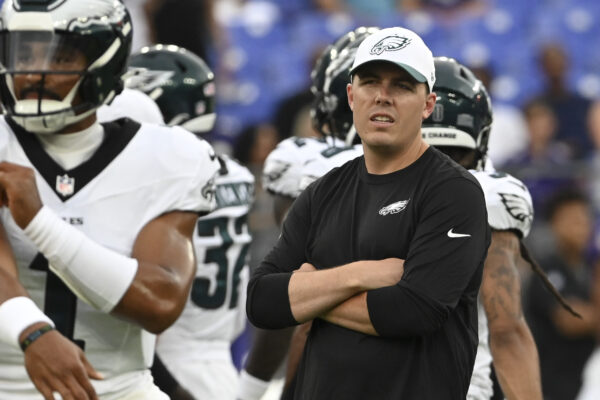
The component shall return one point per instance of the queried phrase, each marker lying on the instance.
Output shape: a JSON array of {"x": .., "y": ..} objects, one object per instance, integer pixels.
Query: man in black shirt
[{"x": 384, "y": 254}]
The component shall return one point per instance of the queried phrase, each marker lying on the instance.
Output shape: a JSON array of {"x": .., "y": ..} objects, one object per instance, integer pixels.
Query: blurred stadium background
[{"x": 540, "y": 59}]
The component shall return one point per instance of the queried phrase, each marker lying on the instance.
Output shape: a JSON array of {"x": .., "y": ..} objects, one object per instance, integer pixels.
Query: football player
[
  {"x": 294, "y": 164},
  {"x": 459, "y": 126},
  {"x": 196, "y": 349},
  {"x": 97, "y": 219}
]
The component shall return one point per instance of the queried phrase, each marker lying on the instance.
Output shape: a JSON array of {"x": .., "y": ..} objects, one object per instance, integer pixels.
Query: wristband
[
  {"x": 16, "y": 315},
  {"x": 35, "y": 335},
  {"x": 250, "y": 387},
  {"x": 97, "y": 275}
]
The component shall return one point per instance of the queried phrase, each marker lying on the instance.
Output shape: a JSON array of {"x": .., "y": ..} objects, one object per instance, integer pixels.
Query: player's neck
[
  {"x": 75, "y": 148},
  {"x": 385, "y": 161},
  {"x": 79, "y": 126}
]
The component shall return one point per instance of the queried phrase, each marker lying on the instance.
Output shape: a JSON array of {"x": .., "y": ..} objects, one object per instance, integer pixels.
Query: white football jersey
[
  {"x": 283, "y": 167},
  {"x": 137, "y": 174},
  {"x": 326, "y": 160},
  {"x": 215, "y": 311},
  {"x": 509, "y": 207},
  {"x": 133, "y": 104},
  {"x": 508, "y": 201}
]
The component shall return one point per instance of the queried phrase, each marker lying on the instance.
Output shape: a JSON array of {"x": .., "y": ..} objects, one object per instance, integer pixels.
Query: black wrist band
[{"x": 35, "y": 335}]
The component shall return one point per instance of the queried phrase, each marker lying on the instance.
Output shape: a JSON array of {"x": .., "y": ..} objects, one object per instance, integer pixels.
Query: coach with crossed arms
[{"x": 384, "y": 254}]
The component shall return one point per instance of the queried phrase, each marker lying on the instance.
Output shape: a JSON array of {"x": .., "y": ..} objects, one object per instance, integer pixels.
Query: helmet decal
[
  {"x": 438, "y": 112},
  {"x": 181, "y": 84}
]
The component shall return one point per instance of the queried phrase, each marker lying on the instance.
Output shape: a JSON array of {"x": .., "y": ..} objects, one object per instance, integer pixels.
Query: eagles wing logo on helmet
[
  {"x": 147, "y": 80},
  {"x": 390, "y": 43},
  {"x": 517, "y": 207}
]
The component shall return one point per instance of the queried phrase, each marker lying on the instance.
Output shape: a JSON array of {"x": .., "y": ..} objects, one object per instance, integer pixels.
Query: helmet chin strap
[
  {"x": 52, "y": 118},
  {"x": 50, "y": 124},
  {"x": 350, "y": 136},
  {"x": 482, "y": 149}
]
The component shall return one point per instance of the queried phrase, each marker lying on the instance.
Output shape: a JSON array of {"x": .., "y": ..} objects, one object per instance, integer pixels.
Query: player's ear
[
  {"x": 350, "y": 96},
  {"x": 429, "y": 105}
]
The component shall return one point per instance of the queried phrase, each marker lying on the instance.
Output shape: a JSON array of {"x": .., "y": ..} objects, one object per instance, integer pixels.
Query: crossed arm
[
  {"x": 513, "y": 349},
  {"x": 339, "y": 294}
]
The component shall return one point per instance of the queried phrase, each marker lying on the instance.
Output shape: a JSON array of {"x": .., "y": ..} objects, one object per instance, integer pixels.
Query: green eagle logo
[{"x": 390, "y": 43}]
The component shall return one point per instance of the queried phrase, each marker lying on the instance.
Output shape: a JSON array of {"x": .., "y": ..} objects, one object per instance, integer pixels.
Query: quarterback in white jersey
[
  {"x": 97, "y": 219},
  {"x": 110, "y": 207},
  {"x": 459, "y": 126},
  {"x": 196, "y": 349}
]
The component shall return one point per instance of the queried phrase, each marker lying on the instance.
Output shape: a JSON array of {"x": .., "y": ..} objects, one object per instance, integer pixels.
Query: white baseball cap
[{"x": 401, "y": 47}]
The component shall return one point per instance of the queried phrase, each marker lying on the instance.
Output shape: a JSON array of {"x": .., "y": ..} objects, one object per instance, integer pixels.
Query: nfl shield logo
[{"x": 65, "y": 185}]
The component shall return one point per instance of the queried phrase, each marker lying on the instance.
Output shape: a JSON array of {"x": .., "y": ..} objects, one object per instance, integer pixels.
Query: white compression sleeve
[
  {"x": 97, "y": 275},
  {"x": 250, "y": 387}
]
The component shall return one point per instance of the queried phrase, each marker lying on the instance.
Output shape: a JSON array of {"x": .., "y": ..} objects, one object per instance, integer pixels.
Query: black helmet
[
  {"x": 179, "y": 82},
  {"x": 89, "y": 40},
  {"x": 462, "y": 115},
  {"x": 330, "y": 112}
]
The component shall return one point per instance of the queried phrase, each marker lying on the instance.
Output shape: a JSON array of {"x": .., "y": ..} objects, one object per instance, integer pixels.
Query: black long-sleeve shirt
[{"x": 433, "y": 215}]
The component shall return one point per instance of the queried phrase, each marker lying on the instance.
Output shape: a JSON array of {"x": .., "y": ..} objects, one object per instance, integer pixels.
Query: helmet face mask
[
  {"x": 330, "y": 111},
  {"x": 180, "y": 83},
  {"x": 58, "y": 66},
  {"x": 462, "y": 115}
]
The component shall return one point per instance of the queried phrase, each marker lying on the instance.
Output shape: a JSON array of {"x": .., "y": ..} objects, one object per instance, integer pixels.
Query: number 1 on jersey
[{"x": 60, "y": 304}]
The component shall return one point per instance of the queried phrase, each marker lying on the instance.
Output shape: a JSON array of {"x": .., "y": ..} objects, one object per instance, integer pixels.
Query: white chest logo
[
  {"x": 394, "y": 208},
  {"x": 65, "y": 185}
]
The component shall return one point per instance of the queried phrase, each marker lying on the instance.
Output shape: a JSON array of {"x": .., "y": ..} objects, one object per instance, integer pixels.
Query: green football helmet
[
  {"x": 330, "y": 112},
  {"x": 43, "y": 42},
  {"x": 462, "y": 116},
  {"x": 179, "y": 82}
]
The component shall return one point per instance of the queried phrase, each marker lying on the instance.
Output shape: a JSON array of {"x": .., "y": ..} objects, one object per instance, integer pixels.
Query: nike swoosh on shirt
[{"x": 456, "y": 235}]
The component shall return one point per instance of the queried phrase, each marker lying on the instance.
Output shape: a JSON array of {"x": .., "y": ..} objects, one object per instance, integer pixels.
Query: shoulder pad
[
  {"x": 282, "y": 170},
  {"x": 508, "y": 201}
]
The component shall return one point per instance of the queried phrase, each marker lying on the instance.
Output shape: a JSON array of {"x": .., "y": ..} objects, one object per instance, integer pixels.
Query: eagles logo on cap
[
  {"x": 390, "y": 43},
  {"x": 384, "y": 45}
]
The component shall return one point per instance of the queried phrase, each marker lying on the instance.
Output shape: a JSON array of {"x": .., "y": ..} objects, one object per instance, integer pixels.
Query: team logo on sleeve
[
  {"x": 209, "y": 190},
  {"x": 517, "y": 206},
  {"x": 65, "y": 185},
  {"x": 394, "y": 208},
  {"x": 390, "y": 43},
  {"x": 275, "y": 170}
]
